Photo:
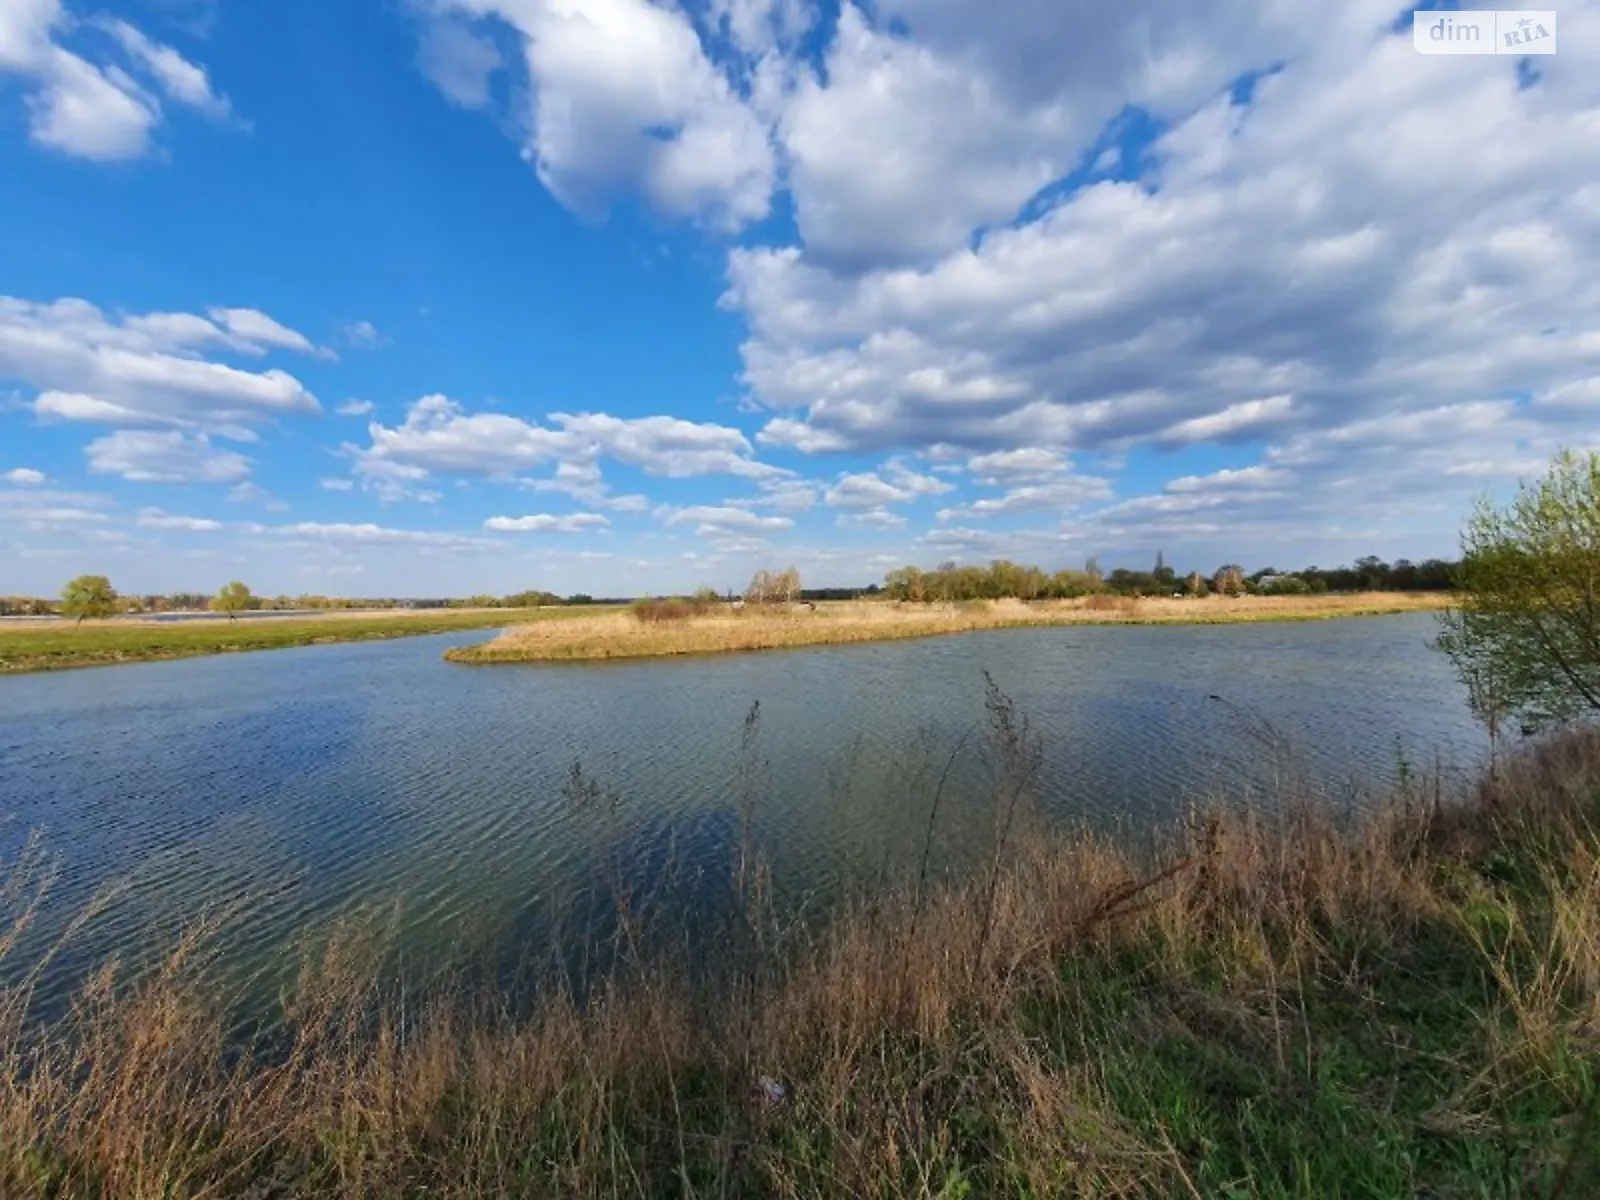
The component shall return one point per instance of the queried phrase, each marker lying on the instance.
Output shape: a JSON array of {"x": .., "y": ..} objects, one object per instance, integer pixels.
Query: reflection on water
[{"x": 312, "y": 781}]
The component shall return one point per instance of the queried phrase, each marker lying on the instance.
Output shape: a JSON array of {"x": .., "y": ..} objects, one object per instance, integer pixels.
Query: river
[{"x": 298, "y": 785}]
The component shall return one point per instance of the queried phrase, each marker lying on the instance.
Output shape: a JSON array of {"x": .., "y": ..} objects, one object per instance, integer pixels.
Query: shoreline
[
  {"x": 620, "y": 636},
  {"x": 29, "y": 648},
  {"x": 1404, "y": 1006}
]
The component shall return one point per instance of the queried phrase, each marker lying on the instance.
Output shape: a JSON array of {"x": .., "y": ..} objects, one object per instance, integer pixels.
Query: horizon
[{"x": 628, "y": 298}]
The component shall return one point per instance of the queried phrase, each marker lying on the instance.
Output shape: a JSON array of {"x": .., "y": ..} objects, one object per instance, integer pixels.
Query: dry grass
[
  {"x": 616, "y": 635},
  {"x": 1408, "y": 1007}
]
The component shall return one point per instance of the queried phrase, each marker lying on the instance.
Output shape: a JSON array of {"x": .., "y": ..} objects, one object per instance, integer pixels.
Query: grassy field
[
  {"x": 618, "y": 634},
  {"x": 45, "y": 646},
  {"x": 1406, "y": 1007}
]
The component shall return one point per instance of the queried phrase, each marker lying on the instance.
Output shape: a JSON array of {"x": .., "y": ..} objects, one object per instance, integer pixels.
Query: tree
[
  {"x": 233, "y": 600},
  {"x": 88, "y": 596},
  {"x": 1525, "y": 635},
  {"x": 760, "y": 589},
  {"x": 1229, "y": 580}
]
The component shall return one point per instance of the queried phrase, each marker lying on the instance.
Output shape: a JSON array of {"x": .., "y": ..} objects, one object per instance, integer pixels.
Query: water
[{"x": 301, "y": 784}]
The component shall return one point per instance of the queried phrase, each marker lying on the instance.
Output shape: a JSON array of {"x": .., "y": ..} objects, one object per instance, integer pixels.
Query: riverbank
[
  {"x": 1408, "y": 1006},
  {"x": 53, "y": 646},
  {"x": 619, "y": 634}
]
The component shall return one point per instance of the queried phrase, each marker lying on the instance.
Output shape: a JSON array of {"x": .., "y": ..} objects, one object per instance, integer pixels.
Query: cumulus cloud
[
  {"x": 174, "y": 457},
  {"x": 583, "y": 481},
  {"x": 104, "y": 110},
  {"x": 25, "y": 477},
  {"x": 621, "y": 96},
  {"x": 548, "y": 523},
  {"x": 151, "y": 369},
  {"x": 872, "y": 490},
  {"x": 669, "y": 446},
  {"x": 1279, "y": 261},
  {"x": 439, "y": 436},
  {"x": 1029, "y": 464},
  {"x": 459, "y": 60},
  {"x": 356, "y": 408}
]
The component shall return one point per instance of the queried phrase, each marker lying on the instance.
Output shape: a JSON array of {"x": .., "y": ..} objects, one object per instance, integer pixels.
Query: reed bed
[
  {"x": 1406, "y": 1005},
  {"x": 623, "y": 634}
]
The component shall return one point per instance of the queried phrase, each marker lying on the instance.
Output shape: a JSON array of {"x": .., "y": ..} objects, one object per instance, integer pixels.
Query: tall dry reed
[{"x": 1281, "y": 1004}]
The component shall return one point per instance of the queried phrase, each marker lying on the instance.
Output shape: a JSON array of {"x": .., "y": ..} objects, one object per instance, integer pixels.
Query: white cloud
[
  {"x": 864, "y": 491},
  {"x": 1061, "y": 495},
  {"x": 25, "y": 477},
  {"x": 364, "y": 335},
  {"x": 459, "y": 61},
  {"x": 33, "y": 511},
  {"x": 870, "y": 490},
  {"x": 1242, "y": 477},
  {"x": 1007, "y": 467},
  {"x": 180, "y": 79},
  {"x": 872, "y": 150},
  {"x": 438, "y": 435},
  {"x": 154, "y": 518},
  {"x": 254, "y": 328},
  {"x": 249, "y": 492},
  {"x": 356, "y": 408},
  {"x": 710, "y": 521},
  {"x": 146, "y": 370},
  {"x": 174, "y": 457},
  {"x": 1302, "y": 261},
  {"x": 97, "y": 111},
  {"x": 1236, "y": 420},
  {"x": 583, "y": 481},
  {"x": 785, "y": 495},
  {"x": 622, "y": 96},
  {"x": 669, "y": 446},
  {"x": 873, "y": 518},
  {"x": 336, "y": 485},
  {"x": 368, "y": 534},
  {"x": 548, "y": 523}
]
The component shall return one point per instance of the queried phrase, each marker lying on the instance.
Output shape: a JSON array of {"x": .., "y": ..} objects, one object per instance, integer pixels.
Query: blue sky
[{"x": 450, "y": 296}]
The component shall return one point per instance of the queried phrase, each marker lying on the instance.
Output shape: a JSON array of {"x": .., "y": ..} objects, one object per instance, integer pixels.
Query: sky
[{"x": 444, "y": 297}]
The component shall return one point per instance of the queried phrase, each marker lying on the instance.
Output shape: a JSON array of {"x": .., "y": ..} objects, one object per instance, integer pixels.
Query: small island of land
[{"x": 666, "y": 629}]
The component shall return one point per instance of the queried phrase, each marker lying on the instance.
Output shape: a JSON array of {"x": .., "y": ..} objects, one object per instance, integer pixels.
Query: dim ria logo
[{"x": 1484, "y": 31}]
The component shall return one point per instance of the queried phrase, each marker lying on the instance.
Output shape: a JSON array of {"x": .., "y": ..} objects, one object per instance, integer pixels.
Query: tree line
[
  {"x": 1008, "y": 580},
  {"x": 94, "y": 596}
]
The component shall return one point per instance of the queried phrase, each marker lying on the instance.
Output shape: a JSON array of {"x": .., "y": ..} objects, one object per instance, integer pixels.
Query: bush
[{"x": 656, "y": 610}]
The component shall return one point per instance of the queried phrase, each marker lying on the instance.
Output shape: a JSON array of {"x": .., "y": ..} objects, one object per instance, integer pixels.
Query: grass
[
  {"x": 623, "y": 635},
  {"x": 1408, "y": 1005},
  {"x": 52, "y": 646}
]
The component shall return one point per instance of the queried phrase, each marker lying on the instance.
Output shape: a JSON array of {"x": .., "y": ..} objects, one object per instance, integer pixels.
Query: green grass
[{"x": 29, "y": 647}]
